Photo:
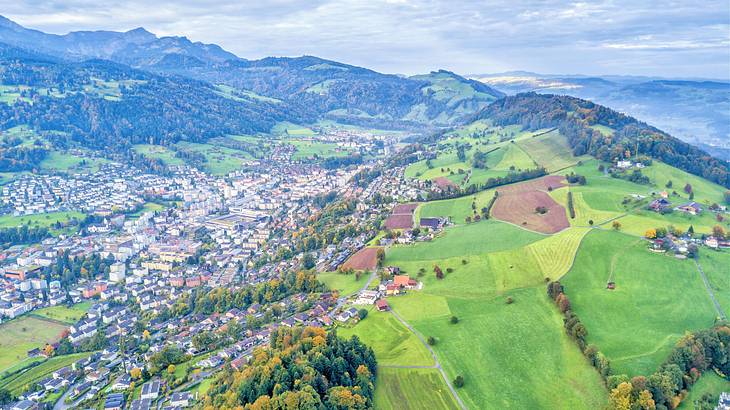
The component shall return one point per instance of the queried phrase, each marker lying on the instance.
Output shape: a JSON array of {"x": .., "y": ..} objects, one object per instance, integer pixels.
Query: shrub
[
  {"x": 459, "y": 381},
  {"x": 510, "y": 300},
  {"x": 454, "y": 320},
  {"x": 431, "y": 340}
]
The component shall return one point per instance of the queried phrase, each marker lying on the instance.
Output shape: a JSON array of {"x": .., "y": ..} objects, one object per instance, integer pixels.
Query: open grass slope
[
  {"x": 524, "y": 358},
  {"x": 549, "y": 150},
  {"x": 64, "y": 313},
  {"x": 45, "y": 219},
  {"x": 405, "y": 389},
  {"x": 657, "y": 299},
  {"x": 345, "y": 284},
  {"x": 393, "y": 343},
  {"x": 19, "y": 335},
  {"x": 19, "y": 382},
  {"x": 716, "y": 265},
  {"x": 475, "y": 238}
]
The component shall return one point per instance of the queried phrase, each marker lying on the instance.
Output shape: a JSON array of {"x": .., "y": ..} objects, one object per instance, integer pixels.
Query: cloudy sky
[{"x": 663, "y": 38}]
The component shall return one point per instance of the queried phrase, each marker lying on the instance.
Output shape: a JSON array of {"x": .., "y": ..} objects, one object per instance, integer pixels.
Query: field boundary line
[
  {"x": 437, "y": 364},
  {"x": 719, "y": 309}
]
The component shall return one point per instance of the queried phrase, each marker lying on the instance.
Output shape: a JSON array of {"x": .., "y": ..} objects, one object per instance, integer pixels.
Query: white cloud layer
[{"x": 668, "y": 38}]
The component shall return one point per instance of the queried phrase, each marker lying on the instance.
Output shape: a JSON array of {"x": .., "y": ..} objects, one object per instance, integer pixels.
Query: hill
[
  {"x": 602, "y": 132},
  {"x": 696, "y": 111}
]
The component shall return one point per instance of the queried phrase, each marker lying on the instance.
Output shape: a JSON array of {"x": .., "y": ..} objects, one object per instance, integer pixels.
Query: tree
[
  {"x": 380, "y": 256},
  {"x": 563, "y": 302},
  {"x": 431, "y": 340},
  {"x": 6, "y": 397},
  {"x": 616, "y": 225},
  {"x": 718, "y": 231},
  {"x": 688, "y": 189},
  {"x": 727, "y": 197},
  {"x": 308, "y": 261},
  {"x": 48, "y": 350},
  {"x": 646, "y": 402},
  {"x": 135, "y": 373},
  {"x": 650, "y": 234},
  {"x": 459, "y": 382},
  {"x": 438, "y": 271},
  {"x": 171, "y": 369},
  {"x": 454, "y": 320},
  {"x": 620, "y": 397},
  {"x": 362, "y": 313}
]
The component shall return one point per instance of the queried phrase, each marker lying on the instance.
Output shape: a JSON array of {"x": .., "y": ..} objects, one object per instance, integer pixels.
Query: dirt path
[{"x": 435, "y": 359}]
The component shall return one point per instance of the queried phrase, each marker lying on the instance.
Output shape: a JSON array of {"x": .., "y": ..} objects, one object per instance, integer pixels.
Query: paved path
[
  {"x": 437, "y": 364},
  {"x": 709, "y": 291}
]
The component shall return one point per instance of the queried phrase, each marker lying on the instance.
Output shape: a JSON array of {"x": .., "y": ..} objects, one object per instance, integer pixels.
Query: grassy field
[
  {"x": 525, "y": 359},
  {"x": 657, "y": 298},
  {"x": 412, "y": 389},
  {"x": 710, "y": 383},
  {"x": 45, "y": 219},
  {"x": 514, "y": 157},
  {"x": 64, "y": 313},
  {"x": 716, "y": 265},
  {"x": 392, "y": 342},
  {"x": 158, "y": 151},
  {"x": 19, "y": 335},
  {"x": 17, "y": 383},
  {"x": 288, "y": 128},
  {"x": 59, "y": 161},
  {"x": 307, "y": 149},
  {"x": 457, "y": 241},
  {"x": 221, "y": 160},
  {"x": 550, "y": 150},
  {"x": 346, "y": 284}
]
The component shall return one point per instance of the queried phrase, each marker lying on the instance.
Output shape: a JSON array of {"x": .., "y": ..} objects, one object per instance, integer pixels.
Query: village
[{"x": 212, "y": 233}]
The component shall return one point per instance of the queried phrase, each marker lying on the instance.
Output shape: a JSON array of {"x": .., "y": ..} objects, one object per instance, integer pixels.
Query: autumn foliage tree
[
  {"x": 438, "y": 271},
  {"x": 302, "y": 368}
]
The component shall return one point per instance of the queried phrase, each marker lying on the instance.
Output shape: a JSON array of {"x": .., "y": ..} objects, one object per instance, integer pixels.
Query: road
[
  {"x": 437, "y": 364},
  {"x": 60, "y": 403},
  {"x": 343, "y": 299},
  {"x": 709, "y": 291}
]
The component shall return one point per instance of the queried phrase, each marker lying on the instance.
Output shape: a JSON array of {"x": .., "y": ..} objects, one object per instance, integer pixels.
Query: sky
[{"x": 680, "y": 39}]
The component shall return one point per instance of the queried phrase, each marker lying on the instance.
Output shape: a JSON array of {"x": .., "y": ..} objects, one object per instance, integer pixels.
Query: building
[
  {"x": 150, "y": 390},
  {"x": 117, "y": 272},
  {"x": 382, "y": 305},
  {"x": 692, "y": 208}
]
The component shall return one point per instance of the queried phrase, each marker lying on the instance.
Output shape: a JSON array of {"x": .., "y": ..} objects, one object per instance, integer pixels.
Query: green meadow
[
  {"x": 345, "y": 284},
  {"x": 657, "y": 299},
  {"x": 22, "y": 334},
  {"x": 63, "y": 313}
]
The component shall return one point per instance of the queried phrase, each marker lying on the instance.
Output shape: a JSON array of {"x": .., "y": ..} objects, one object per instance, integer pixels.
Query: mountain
[
  {"x": 102, "y": 105},
  {"x": 326, "y": 89},
  {"x": 697, "y": 111},
  {"x": 603, "y": 133}
]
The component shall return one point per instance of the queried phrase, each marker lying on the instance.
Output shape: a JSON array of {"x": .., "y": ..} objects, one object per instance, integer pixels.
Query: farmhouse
[
  {"x": 433, "y": 223},
  {"x": 692, "y": 208},
  {"x": 405, "y": 282},
  {"x": 382, "y": 305},
  {"x": 659, "y": 204}
]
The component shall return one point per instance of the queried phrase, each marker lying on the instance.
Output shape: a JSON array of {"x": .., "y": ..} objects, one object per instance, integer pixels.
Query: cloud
[{"x": 409, "y": 36}]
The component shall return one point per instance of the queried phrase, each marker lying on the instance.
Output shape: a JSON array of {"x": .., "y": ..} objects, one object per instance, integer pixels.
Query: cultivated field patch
[
  {"x": 364, "y": 259},
  {"x": 522, "y": 209},
  {"x": 412, "y": 389}
]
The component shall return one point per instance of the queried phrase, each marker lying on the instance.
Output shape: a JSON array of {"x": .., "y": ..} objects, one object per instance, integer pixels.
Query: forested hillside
[{"x": 604, "y": 133}]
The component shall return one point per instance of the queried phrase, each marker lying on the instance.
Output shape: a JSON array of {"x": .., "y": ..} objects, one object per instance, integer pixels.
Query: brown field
[
  {"x": 365, "y": 258},
  {"x": 400, "y": 221},
  {"x": 405, "y": 208},
  {"x": 517, "y": 204},
  {"x": 443, "y": 182}
]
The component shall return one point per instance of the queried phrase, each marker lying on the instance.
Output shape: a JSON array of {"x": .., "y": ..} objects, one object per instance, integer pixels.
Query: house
[
  {"x": 659, "y": 204},
  {"x": 392, "y": 289},
  {"x": 404, "y": 281},
  {"x": 25, "y": 405},
  {"x": 433, "y": 223},
  {"x": 114, "y": 401},
  {"x": 140, "y": 404},
  {"x": 724, "y": 402},
  {"x": 382, "y": 305},
  {"x": 367, "y": 297},
  {"x": 692, "y": 208},
  {"x": 122, "y": 383},
  {"x": 180, "y": 399},
  {"x": 151, "y": 389},
  {"x": 347, "y": 315}
]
